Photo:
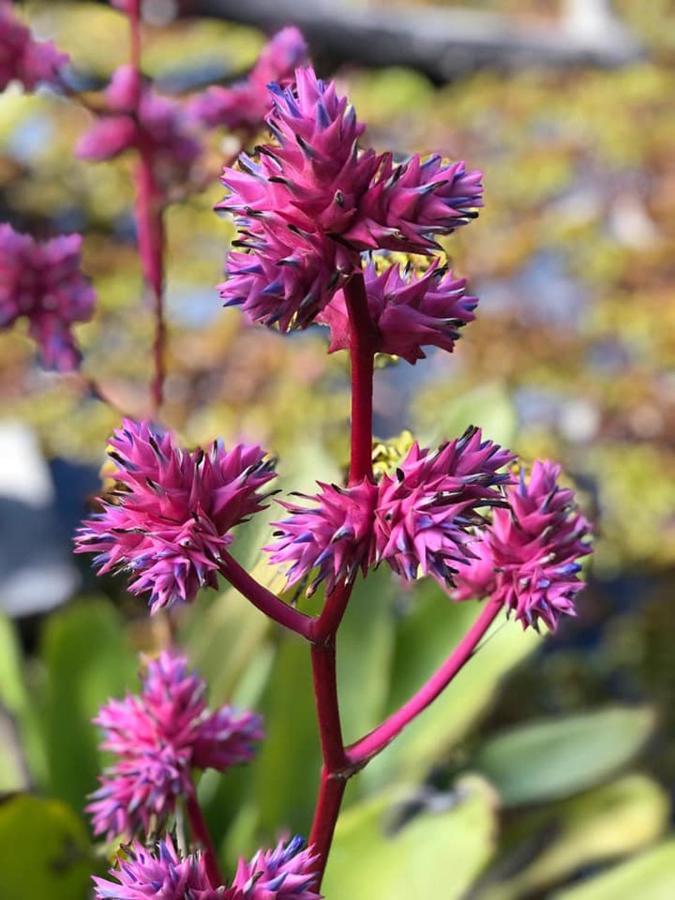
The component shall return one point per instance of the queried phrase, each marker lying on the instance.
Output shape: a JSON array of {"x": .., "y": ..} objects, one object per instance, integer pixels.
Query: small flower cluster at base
[
  {"x": 284, "y": 873},
  {"x": 417, "y": 519},
  {"x": 24, "y": 59},
  {"x": 409, "y": 311},
  {"x": 245, "y": 104},
  {"x": 314, "y": 200},
  {"x": 158, "y": 737},
  {"x": 528, "y": 557},
  {"x": 170, "y": 518},
  {"x": 43, "y": 282},
  {"x": 160, "y": 874},
  {"x": 137, "y": 117}
]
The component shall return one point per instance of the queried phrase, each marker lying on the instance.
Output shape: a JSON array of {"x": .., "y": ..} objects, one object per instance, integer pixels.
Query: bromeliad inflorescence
[{"x": 328, "y": 229}]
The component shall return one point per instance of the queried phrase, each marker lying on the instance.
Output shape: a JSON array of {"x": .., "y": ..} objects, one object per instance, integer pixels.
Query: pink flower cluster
[
  {"x": 24, "y": 59},
  {"x": 415, "y": 520},
  {"x": 43, "y": 283},
  {"x": 245, "y": 104},
  {"x": 158, "y": 737},
  {"x": 528, "y": 557},
  {"x": 173, "y": 510},
  {"x": 313, "y": 201},
  {"x": 138, "y": 117},
  {"x": 283, "y": 873},
  {"x": 409, "y": 311}
]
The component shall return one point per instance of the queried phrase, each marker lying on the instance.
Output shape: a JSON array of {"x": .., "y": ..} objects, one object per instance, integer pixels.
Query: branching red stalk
[
  {"x": 360, "y": 753},
  {"x": 361, "y": 348},
  {"x": 200, "y": 835},
  {"x": 264, "y": 600}
]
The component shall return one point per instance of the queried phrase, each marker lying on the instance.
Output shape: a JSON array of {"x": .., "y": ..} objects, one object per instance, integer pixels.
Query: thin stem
[
  {"x": 360, "y": 753},
  {"x": 331, "y": 615},
  {"x": 361, "y": 349},
  {"x": 328, "y": 713},
  {"x": 200, "y": 834},
  {"x": 329, "y": 801},
  {"x": 264, "y": 600},
  {"x": 149, "y": 219}
]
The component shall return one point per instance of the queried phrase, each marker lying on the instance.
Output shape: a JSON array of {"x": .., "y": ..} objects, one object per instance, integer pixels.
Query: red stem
[
  {"x": 200, "y": 835},
  {"x": 328, "y": 713},
  {"x": 149, "y": 219},
  {"x": 329, "y": 801},
  {"x": 264, "y": 600},
  {"x": 361, "y": 349},
  {"x": 360, "y": 753}
]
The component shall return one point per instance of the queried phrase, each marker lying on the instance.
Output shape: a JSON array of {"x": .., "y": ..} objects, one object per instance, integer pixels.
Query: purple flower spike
[
  {"x": 160, "y": 874},
  {"x": 410, "y": 311},
  {"x": 245, "y": 104},
  {"x": 284, "y": 873},
  {"x": 159, "y": 126},
  {"x": 158, "y": 737},
  {"x": 334, "y": 536},
  {"x": 43, "y": 282},
  {"x": 528, "y": 557},
  {"x": 24, "y": 59},
  {"x": 425, "y": 510},
  {"x": 409, "y": 204},
  {"x": 171, "y": 516}
]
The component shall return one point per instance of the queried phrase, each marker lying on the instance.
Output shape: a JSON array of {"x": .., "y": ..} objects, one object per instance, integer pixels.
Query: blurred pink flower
[
  {"x": 245, "y": 104},
  {"x": 22, "y": 58},
  {"x": 284, "y": 873},
  {"x": 160, "y": 873},
  {"x": 528, "y": 557},
  {"x": 172, "y": 514},
  {"x": 43, "y": 282},
  {"x": 409, "y": 311},
  {"x": 159, "y": 126},
  {"x": 158, "y": 737}
]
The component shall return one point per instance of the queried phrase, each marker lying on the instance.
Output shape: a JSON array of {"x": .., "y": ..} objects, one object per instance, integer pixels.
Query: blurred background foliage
[{"x": 547, "y": 769}]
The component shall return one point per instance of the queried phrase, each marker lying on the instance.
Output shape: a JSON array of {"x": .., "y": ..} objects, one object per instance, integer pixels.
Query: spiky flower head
[
  {"x": 245, "y": 104},
  {"x": 417, "y": 519},
  {"x": 171, "y": 515},
  {"x": 409, "y": 311},
  {"x": 409, "y": 204},
  {"x": 334, "y": 536},
  {"x": 159, "y": 873},
  {"x": 529, "y": 556},
  {"x": 427, "y": 507},
  {"x": 138, "y": 117},
  {"x": 24, "y": 59},
  {"x": 43, "y": 283},
  {"x": 158, "y": 737},
  {"x": 285, "y": 873}
]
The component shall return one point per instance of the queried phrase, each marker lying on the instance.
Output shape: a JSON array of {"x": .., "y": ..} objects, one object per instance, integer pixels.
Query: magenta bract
[
  {"x": 172, "y": 514},
  {"x": 528, "y": 557},
  {"x": 158, "y": 737},
  {"x": 24, "y": 59},
  {"x": 284, "y": 873},
  {"x": 409, "y": 311},
  {"x": 43, "y": 283}
]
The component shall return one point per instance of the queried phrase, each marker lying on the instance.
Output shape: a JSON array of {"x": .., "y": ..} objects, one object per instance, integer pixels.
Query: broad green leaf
[
  {"x": 650, "y": 875},
  {"x": 44, "y": 851},
  {"x": 436, "y": 854},
  {"x": 425, "y": 638},
  {"x": 13, "y": 774},
  {"x": 557, "y": 757},
  {"x": 88, "y": 660},
  {"x": 612, "y": 820}
]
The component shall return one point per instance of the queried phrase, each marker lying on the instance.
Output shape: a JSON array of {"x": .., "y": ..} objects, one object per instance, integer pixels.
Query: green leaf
[
  {"x": 650, "y": 875},
  {"x": 608, "y": 821},
  {"x": 559, "y": 757},
  {"x": 425, "y": 637},
  {"x": 436, "y": 854},
  {"x": 44, "y": 851},
  {"x": 88, "y": 661},
  {"x": 448, "y": 414}
]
